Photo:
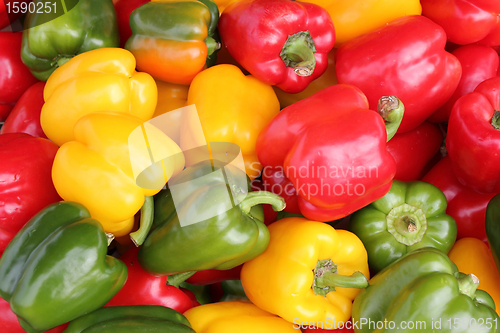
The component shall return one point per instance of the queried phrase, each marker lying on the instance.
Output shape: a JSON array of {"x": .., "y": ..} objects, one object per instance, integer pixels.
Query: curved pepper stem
[
  {"x": 392, "y": 110},
  {"x": 262, "y": 197},
  {"x": 326, "y": 278},
  {"x": 147, "y": 215},
  {"x": 407, "y": 224},
  {"x": 176, "y": 279},
  {"x": 467, "y": 284},
  {"x": 298, "y": 53},
  {"x": 495, "y": 120},
  {"x": 212, "y": 45}
]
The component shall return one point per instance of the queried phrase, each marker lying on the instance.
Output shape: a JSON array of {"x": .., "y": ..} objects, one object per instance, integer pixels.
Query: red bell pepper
[
  {"x": 473, "y": 139},
  {"x": 15, "y": 77},
  {"x": 25, "y": 181},
  {"x": 466, "y": 21},
  {"x": 332, "y": 148},
  {"x": 25, "y": 116},
  {"x": 142, "y": 288},
  {"x": 9, "y": 14},
  {"x": 405, "y": 58},
  {"x": 414, "y": 149},
  {"x": 123, "y": 10},
  {"x": 479, "y": 62},
  {"x": 466, "y": 206},
  {"x": 211, "y": 276},
  {"x": 280, "y": 42}
]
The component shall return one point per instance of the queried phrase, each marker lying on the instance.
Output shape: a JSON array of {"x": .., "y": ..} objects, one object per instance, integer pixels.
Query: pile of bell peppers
[{"x": 249, "y": 166}]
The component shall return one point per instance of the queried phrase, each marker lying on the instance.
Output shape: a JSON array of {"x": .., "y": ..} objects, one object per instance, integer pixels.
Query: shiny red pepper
[
  {"x": 25, "y": 116},
  {"x": 280, "y": 42},
  {"x": 405, "y": 58},
  {"x": 123, "y": 10},
  {"x": 25, "y": 181},
  {"x": 414, "y": 149},
  {"x": 466, "y": 206},
  {"x": 332, "y": 148},
  {"x": 15, "y": 77},
  {"x": 473, "y": 139},
  {"x": 479, "y": 62},
  {"x": 142, "y": 288},
  {"x": 211, "y": 276},
  {"x": 466, "y": 21},
  {"x": 9, "y": 14}
]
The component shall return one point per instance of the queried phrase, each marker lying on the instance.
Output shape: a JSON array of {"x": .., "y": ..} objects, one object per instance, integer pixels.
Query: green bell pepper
[
  {"x": 88, "y": 25},
  {"x": 226, "y": 221},
  {"x": 492, "y": 226},
  {"x": 57, "y": 268},
  {"x": 410, "y": 216},
  {"x": 131, "y": 319},
  {"x": 424, "y": 292}
]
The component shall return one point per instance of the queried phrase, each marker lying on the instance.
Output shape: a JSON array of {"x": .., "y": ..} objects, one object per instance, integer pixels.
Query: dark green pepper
[
  {"x": 57, "y": 268},
  {"x": 492, "y": 225},
  {"x": 88, "y": 25},
  {"x": 424, "y": 292},
  {"x": 215, "y": 222},
  {"x": 131, "y": 319},
  {"x": 410, "y": 216}
]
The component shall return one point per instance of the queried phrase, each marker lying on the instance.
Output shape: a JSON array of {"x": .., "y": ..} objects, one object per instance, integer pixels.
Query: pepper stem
[
  {"x": 298, "y": 53},
  {"x": 176, "y": 279},
  {"x": 147, "y": 216},
  {"x": 407, "y": 224},
  {"x": 212, "y": 46},
  {"x": 62, "y": 60},
  {"x": 467, "y": 284},
  {"x": 392, "y": 110},
  {"x": 326, "y": 278},
  {"x": 495, "y": 120},
  {"x": 262, "y": 197}
]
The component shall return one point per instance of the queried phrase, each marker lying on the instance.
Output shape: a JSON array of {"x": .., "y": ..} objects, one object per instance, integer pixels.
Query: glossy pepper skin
[
  {"x": 123, "y": 9},
  {"x": 281, "y": 42},
  {"x": 25, "y": 181},
  {"x": 57, "y": 269},
  {"x": 142, "y": 288},
  {"x": 129, "y": 319},
  {"x": 466, "y": 21},
  {"x": 473, "y": 139},
  {"x": 479, "y": 63},
  {"x": 8, "y": 17},
  {"x": 412, "y": 65},
  {"x": 424, "y": 286},
  {"x": 49, "y": 43},
  {"x": 105, "y": 158},
  {"x": 95, "y": 81},
  {"x": 15, "y": 77},
  {"x": 25, "y": 116},
  {"x": 467, "y": 207},
  {"x": 492, "y": 225},
  {"x": 309, "y": 272},
  {"x": 352, "y": 19},
  {"x": 233, "y": 108},
  {"x": 228, "y": 233},
  {"x": 235, "y": 316},
  {"x": 211, "y": 276},
  {"x": 472, "y": 256},
  {"x": 413, "y": 150},
  {"x": 174, "y": 40},
  {"x": 307, "y": 142},
  {"x": 410, "y": 216}
]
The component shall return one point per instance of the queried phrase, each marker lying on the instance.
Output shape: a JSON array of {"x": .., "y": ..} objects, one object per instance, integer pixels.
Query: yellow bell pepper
[
  {"x": 309, "y": 272},
  {"x": 103, "y": 167},
  {"x": 472, "y": 256},
  {"x": 233, "y": 108},
  {"x": 94, "y": 81},
  {"x": 235, "y": 316},
  {"x": 354, "y": 18}
]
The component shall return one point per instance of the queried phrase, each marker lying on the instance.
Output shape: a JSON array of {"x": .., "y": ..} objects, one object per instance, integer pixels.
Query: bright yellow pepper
[
  {"x": 299, "y": 275},
  {"x": 354, "y": 18},
  {"x": 100, "y": 168},
  {"x": 99, "y": 80},
  {"x": 234, "y": 316},
  {"x": 233, "y": 108}
]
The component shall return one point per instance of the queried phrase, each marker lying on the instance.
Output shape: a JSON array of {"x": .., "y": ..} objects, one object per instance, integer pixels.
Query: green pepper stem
[
  {"x": 212, "y": 45},
  {"x": 467, "y": 284},
  {"x": 392, "y": 110},
  {"x": 62, "y": 60},
  {"x": 147, "y": 215},
  {"x": 298, "y": 53},
  {"x": 495, "y": 120},
  {"x": 407, "y": 224},
  {"x": 262, "y": 197},
  {"x": 176, "y": 279},
  {"x": 326, "y": 278}
]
